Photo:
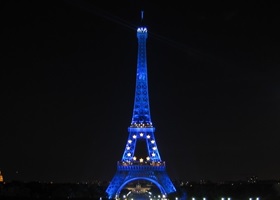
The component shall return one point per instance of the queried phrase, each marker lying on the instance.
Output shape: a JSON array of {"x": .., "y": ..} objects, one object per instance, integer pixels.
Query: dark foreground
[{"x": 263, "y": 190}]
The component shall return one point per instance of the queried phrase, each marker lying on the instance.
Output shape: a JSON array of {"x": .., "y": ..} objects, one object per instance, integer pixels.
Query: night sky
[{"x": 68, "y": 73}]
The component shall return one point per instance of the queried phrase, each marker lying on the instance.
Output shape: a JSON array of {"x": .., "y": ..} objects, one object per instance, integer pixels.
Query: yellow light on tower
[
  {"x": 141, "y": 160},
  {"x": 134, "y": 158}
]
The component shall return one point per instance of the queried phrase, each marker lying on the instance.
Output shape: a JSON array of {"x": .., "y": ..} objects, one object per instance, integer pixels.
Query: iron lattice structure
[{"x": 150, "y": 168}]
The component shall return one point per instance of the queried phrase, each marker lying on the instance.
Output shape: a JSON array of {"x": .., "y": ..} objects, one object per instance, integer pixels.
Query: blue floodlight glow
[{"x": 131, "y": 167}]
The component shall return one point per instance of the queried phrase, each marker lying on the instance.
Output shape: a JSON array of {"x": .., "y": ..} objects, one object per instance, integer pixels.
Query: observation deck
[{"x": 141, "y": 166}]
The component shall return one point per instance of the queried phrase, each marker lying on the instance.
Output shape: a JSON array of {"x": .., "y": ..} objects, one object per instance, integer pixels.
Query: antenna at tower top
[{"x": 142, "y": 15}]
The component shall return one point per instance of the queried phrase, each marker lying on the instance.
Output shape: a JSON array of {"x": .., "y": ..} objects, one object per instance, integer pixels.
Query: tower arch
[{"x": 160, "y": 187}]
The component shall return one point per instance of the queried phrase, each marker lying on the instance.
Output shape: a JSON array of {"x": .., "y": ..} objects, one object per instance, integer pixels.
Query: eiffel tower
[{"x": 150, "y": 167}]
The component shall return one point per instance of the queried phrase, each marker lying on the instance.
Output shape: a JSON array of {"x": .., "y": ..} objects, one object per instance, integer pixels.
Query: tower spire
[{"x": 141, "y": 111}]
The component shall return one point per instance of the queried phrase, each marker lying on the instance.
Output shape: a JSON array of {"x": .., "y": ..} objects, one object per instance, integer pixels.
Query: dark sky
[{"x": 68, "y": 75}]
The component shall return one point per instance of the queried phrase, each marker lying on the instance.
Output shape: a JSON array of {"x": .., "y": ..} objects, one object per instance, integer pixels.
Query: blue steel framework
[{"x": 150, "y": 168}]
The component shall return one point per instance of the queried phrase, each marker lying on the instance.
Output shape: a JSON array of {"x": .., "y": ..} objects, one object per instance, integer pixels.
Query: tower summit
[
  {"x": 150, "y": 167},
  {"x": 141, "y": 111}
]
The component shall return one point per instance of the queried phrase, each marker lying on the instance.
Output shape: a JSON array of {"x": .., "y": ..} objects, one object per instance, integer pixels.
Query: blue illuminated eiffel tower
[{"x": 150, "y": 167}]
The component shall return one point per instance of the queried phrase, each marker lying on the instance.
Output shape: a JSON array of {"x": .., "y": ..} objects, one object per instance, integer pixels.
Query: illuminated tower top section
[{"x": 141, "y": 112}]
